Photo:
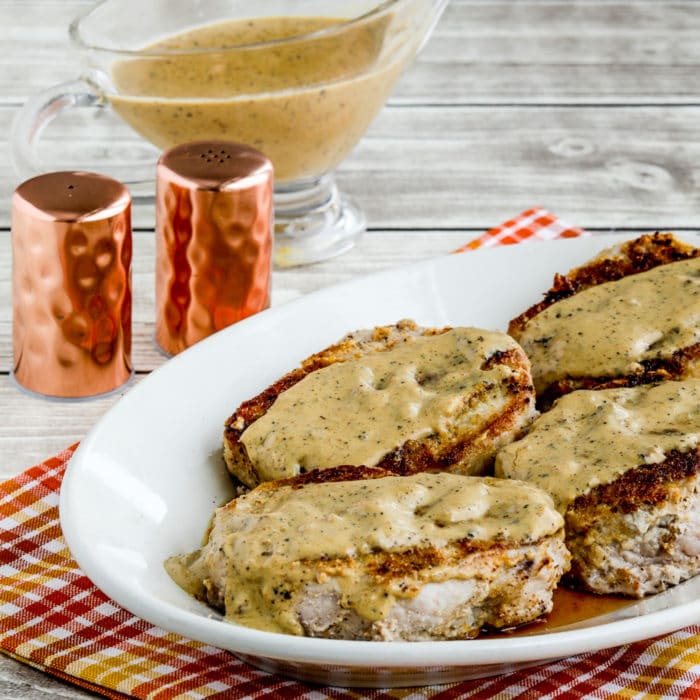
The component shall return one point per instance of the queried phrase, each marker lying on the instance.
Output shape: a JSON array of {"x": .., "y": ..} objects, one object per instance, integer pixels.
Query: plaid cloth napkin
[{"x": 53, "y": 617}]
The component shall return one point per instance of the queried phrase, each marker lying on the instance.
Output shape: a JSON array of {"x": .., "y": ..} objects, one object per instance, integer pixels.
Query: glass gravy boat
[{"x": 301, "y": 81}]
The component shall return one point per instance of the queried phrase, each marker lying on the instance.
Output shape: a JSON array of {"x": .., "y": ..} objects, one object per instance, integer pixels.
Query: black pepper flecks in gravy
[
  {"x": 304, "y": 102},
  {"x": 592, "y": 437},
  {"x": 608, "y": 329},
  {"x": 265, "y": 546},
  {"x": 355, "y": 412}
]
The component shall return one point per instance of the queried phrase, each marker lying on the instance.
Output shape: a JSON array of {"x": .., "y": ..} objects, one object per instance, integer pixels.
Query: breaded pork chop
[
  {"x": 400, "y": 397},
  {"x": 641, "y": 533},
  {"x": 359, "y": 553},
  {"x": 623, "y": 467},
  {"x": 629, "y": 316}
]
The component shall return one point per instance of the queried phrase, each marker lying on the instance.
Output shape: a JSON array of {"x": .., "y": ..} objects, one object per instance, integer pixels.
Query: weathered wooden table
[{"x": 590, "y": 108}]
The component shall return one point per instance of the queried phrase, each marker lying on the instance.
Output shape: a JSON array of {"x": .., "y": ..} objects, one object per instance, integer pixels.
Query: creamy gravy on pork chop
[
  {"x": 593, "y": 437},
  {"x": 375, "y": 552},
  {"x": 354, "y": 412},
  {"x": 609, "y": 329}
]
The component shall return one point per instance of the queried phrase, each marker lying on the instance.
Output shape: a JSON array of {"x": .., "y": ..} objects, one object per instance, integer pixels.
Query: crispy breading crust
[
  {"x": 645, "y": 485},
  {"x": 639, "y": 255},
  {"x": 413, "y": 456},
  {"x": 506, "y": 568},
  {"x": 343, "y": 472},
  {"x": 682, "y": 364},
  {"x": 627, "y": 537}
]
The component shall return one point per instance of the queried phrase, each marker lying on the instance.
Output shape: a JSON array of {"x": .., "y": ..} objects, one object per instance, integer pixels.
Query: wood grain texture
[
  {"x": 20, "y": 682},
  {"x": 468, "y": 167}
]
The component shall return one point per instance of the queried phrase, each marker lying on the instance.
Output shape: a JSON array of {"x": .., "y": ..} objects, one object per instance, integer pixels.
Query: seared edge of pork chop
[
  {"x": 460, "y": 592},
  {"x": 639, "y": 534},
  {"x": 629, "y": 258}
]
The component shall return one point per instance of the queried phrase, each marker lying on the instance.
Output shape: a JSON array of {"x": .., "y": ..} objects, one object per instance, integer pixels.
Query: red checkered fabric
[
  {"x": 53, "y": 617},
  {"x": 534, "y": 224}
]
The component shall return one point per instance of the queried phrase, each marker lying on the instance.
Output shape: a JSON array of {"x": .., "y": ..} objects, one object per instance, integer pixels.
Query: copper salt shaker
[
  {"x": 71, "y": 284},
  {"x": 213, "y": 239}
]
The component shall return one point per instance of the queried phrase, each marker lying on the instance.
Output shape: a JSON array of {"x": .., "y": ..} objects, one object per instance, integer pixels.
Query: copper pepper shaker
[
  {"x": 71, "y": 284},
  {"x": 213, "y": 239}
]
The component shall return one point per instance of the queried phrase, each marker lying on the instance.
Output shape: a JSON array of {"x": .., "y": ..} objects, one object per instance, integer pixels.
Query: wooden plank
[
  {"x": 469, "y": 167},
  {"x": 20, "y": 682},
  {"x": 34, "y": 429},
  {"x": 481, "y": 52}
]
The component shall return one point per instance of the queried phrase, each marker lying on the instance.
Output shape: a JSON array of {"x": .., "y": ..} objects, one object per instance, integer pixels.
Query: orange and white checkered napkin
[
  {"x": 532, "y": 225},
  {"x": 54, "y": 618}
]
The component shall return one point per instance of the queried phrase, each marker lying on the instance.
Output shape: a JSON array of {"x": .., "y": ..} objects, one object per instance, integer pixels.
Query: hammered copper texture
[
  {"x": 71, "y": 285},
  {"x": 213, "y": 244}
]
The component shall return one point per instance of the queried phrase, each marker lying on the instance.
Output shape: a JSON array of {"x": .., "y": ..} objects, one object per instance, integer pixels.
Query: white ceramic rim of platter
[{"x": 158, "y": 450}]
